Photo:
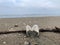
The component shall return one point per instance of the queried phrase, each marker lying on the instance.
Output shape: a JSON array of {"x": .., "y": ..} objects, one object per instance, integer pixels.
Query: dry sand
[{"x": 46, "y": 38}]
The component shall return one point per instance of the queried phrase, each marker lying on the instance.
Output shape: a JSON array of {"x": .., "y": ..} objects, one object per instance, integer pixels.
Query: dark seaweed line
[
  {"x": 9, "y": 32},
  {"x": 53, "y": 30},
  {"x": 24, "y": 31}
]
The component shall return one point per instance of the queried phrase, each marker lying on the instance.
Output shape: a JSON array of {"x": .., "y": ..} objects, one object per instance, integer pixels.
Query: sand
[{"x": 45, "y": 38}]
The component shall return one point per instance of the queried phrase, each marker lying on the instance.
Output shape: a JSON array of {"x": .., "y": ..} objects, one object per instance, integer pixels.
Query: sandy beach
[{"x": 45, "y": 38}]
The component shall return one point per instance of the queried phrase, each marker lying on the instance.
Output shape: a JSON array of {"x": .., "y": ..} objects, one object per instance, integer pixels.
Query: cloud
[
  {"x": 30, "y": 3},
  {"x": 3, "y": 1},
  {"x": 37, "y": 3}
]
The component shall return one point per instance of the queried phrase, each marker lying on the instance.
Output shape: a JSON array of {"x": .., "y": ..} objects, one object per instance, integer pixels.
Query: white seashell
[
  {"x": 36, "y": 28},
  {"x": 28, "y": 28}
]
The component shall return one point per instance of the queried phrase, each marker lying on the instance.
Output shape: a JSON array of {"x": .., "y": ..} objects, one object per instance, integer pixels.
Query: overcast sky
[{"x": 21, "y": 7}]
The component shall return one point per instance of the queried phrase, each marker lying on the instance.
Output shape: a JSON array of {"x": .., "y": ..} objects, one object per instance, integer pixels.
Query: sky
[{"x": 24, "y": 8}]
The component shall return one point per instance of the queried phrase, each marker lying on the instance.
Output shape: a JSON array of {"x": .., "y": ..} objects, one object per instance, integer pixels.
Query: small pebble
[
  {"x": 11, "y": 29},
  {"x": 36, "y": 44},
  {"x": 24, "y": 36},
  {"x": 4, "y": 42},
  {"x": 16, "y": 25},
  {"x": 26, "y": 43}
]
